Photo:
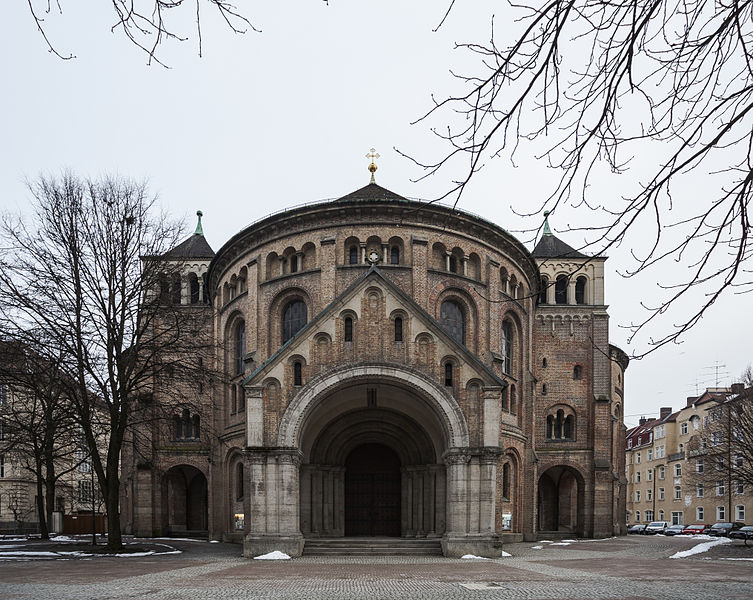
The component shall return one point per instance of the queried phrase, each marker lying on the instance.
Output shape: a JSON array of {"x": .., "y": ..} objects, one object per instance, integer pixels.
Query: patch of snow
[
  {"x": 214, "y": 541},
  {"x": 560, "y": 543},
  {"x": 570, "y": 541},
  {"x": 274, "y": 555},
  {"x": 27, "y": 553},
  {"x": 65, "y": 538},
  {"x": 506, "y": 553},
  {"x": 473, "y": 556},
  {"x": 701, "y": 548},
  {"x": 736, "y": 559},
  {"x": 537, "y": 547},
  {"x": 172, "y": 539}
]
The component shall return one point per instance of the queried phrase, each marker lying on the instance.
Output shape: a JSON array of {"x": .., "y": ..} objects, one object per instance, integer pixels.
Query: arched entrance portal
[
  {"x": 185, "y": 501},
  {"x": 372, "y": 491},
  {"x": 560, "y": 501}
]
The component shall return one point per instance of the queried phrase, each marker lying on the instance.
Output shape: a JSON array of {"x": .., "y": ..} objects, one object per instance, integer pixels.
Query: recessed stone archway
[
  {"x": 561, "y": 492},
  {"x": 185, "y": 500}
]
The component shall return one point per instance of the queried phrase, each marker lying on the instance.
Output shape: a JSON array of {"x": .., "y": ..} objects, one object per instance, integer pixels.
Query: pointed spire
[
  {"x": 547, "y": 231},
  {"x": 199, "y": 229}
]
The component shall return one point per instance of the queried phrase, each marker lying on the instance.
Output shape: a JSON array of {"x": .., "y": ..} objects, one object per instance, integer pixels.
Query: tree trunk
[
  {"x": 112, "y": 506},
  {"x": 43, "y": 531}
]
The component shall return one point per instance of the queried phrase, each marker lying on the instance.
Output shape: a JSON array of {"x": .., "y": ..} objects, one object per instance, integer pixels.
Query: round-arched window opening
[
  {"x": 293, "y": 319},
  {"x": 452, "y": 320}
]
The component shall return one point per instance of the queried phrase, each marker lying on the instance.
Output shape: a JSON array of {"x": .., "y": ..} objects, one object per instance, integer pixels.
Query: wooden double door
[{"x": 372, "y": 491}]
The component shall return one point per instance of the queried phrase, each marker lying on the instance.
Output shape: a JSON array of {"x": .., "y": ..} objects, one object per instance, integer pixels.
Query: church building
[{"x": 389, "y": 368}]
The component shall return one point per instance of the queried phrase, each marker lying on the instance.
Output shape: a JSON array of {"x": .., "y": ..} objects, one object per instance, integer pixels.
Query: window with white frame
[
  {"x": 649, "y": 494},
  {"x": 660, "y": 451},
  {"x": 659, "y": 432},
  {"x": 699, "y": 513},
  {"x": 661, "y": 493},
  {"x": 627, "y": 516},
  {"x": 716, "y": 438},
  {"x": 739, "y": 487},
  {"x": 739, "y": 461},
  {"x": 637, "y": 495},
  {"x": 649, "y": 475},
  {"x": 637, "y": 516},
  {"x": 678, "y": 493},
  {"x": 704, "y": 443},
  {"x": 719, "y": 464},
  {"x": 681, "y": 448},
  {"x": 650, "y": 454},
  {"x": 661, "y": 473},
  {"x": 649, "y": 515},
  {"x": 637, "y": 477},
  {"x": 699, "y": 490},
  {"x": 637, "y": 458},
  {"x": 740, "y": 513},
  {"x": 737, "y": 433},
  {"x": 678, "y": 470},
  {"x": 720, "y": 514},
  {"x": 85, "y": 491},
  {"x": 630, "y": 445},
  {"x": 676, "y": 517},
  {"x": 699, "y": 465},
  {"x": 661, "y": 515},
  {"x": 684, "y": 428},
  {"x": 720, "y": 488},
  {"x": 705, "y": 420}
]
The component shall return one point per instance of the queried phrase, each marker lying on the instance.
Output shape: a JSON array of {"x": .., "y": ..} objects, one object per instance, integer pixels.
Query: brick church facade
[{"x": 389, "y": 368}]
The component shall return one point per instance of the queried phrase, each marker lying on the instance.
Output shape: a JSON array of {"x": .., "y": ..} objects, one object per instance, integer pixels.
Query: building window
[
  {"x": 187, "y": 427},
  {"x": 580, "y": 290},
  {"x": 353, "y": 255},
  {"x": 661, "y": 473},
  {"x": 542, "y": 291},
  {"x": 452, "y": 320},
  {"x": 637, "y": 477},
  {"x": 577, "y": 372},
  {"x": 678, "y": 470},
  {"x": 2, "y": 465},
  {"x": 740, "y": 513},
  {"x": 738, "y": 461},
  {"x": 452, "y": 264},
  {"x": 678, "y": 492},
  {"x": 543, "y": 389},
  {"x": 649, "y": 495},
  {"x": 649, "y": 515},
  {"x": 720, "y": 513},
  {"x": 559, "y": 426},
  {"x": 560, "y": 290},
  {"x": 699, "y": 513},
  {"x": 661, "y": 493},
  {"x": 684, "y": 428},
  {"x": 638, "y": 456},
  {"x": 448, "y": 374},
  {"x": 739, "y": 487},
  {"x": 677, "y": 517},
  {"x": 3, "y": 394},
  {"x": 720, "y": 488},
  {"x": 240, "y": 347},
  {"x": 699, "y": 465},
  {"x": 348, "y": 334},
  {"x": 637, "y": 516},
  {"x": 699, "y": 490},
  {"x": 507, "y": 345},
  {"x": 650, "y": 454},
  {"x": 239, "y": 482},
  {"x": 398, "y": 329},
  {"x": 649, "y": 474},
  {"x": 394, "y": 255},
  {"x": 716, "y": 438},
  {"x": 298, "y": 373},
  {"x": 85, "y": 494},
  {"x": 638, "y": 496},
  {"x": 293, "y": 320}
]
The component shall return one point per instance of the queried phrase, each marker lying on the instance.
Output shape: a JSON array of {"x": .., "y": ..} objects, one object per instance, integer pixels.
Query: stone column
[
  {"x": 316, "y": 501},
  {"x": 404, "y": 503},
  {"x": 440, "y": 499},
  {"x": 407, "y": 474},
  {"x": 254, "y": 416},
  {"x": 306, "y": 472},
  {"x": 429, "y": 508},
  {"x": 487, "y": 490},
  {"x": 457, "y": 498},
  {"x": 339, "y": 500}
]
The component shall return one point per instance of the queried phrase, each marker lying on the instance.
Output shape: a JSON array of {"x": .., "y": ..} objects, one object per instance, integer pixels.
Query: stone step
[{"x": 372, "y": 546}]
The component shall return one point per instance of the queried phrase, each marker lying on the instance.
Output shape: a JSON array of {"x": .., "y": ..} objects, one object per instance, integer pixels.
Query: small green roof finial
[
  {"x": 199, "y": 230},
  {"x": 547, "y": 231}
]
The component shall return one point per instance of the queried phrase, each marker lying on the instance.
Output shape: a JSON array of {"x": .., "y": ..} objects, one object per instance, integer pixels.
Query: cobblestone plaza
[{"x": 622, "y": 568}]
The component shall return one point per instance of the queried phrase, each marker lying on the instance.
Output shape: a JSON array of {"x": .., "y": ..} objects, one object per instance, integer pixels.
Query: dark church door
[{"x": 372, "y": 491}]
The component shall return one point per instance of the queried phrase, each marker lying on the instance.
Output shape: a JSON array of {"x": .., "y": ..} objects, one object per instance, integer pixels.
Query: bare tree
[
  {"x": 593, "y": 86},
  {"x": 146, "y": 23},
  {"x": 721, "y": 455},
  {"x": 77, "y": 275},
  {"x": 39, "y": 427}
]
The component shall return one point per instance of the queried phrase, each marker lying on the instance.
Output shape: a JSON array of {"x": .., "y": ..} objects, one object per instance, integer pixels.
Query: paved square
[{"x": 632, "y": 568}]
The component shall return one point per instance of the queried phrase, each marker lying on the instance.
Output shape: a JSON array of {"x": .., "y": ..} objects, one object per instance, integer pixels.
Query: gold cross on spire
[{"x": 372, "y": 167}]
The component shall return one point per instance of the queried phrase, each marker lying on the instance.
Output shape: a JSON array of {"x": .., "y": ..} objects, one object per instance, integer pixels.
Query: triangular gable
[{"x": 410, "y": 305}]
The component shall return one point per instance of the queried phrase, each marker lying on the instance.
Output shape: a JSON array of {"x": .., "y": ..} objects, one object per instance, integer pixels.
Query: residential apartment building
[{"x": 672, "y": 472}]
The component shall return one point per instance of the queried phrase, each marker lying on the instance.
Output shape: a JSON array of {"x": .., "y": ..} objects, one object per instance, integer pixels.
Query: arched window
[
  {"x": 560, "y": 426},
  {"x": 175, "y": 290},
  {"x": 196, "y": 427},
  {"x": 241, "y": 398},
  {"x": 205, "y": 299},
  {"x": 513, "y": 400},
  {"x": 239, "y": 482},
  {"x": 348, "y": 337},
  {"x": 239, "y": 347},
  {"x": 398, "y": 329},
  {"x": 577, "y": 372},
  {"x": 543, "y": 389},
  {"x": 394, "y": 255},
  {"x": 164, "y": 289},
  {"x": 233, "y": 399},
  {"x": 297, "y": 373},
  {"x": 452, "y": 320},
  {"x": 293, "y": 319},
  {"x": 506, "y": 480},
  {"x": 186, "y": 424},
  {"x": 448, "y": 374},
  {"x": 505, "y": 399},
  {"x": 194, "y": 284},
  {"x": 353, "y": 255},
  {"x": 543, "y": 362},
  {"x": 294, "y": 263},
  {"x": 507, "y": 346},
  {"x": 560, "y": 290},
  {"x": 580, "y": 290},
  {"x": 542, "y": 291},
  {"x": 178, "y": 428},
  {"x": 452, "y": 264}
]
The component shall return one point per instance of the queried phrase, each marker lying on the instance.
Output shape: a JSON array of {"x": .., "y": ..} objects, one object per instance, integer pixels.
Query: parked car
[
  {"x": 655, "y": 527},
  {"x": 695, "y": 528},
  {"x": 636, "y": 528},
  {"x": 723, "y": 529},
  {"x": 674, "y": 530},
  {"x": 744, "y": 533}
]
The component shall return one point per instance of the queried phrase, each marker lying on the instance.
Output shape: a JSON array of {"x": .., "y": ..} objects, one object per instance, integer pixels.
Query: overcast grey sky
[{"x": 265, "y": 121}]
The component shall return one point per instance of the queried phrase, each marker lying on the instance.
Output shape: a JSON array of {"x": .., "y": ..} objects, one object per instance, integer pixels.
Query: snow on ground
[
  {"x": 506, "y": 553},
  {"x": 274, "y": 555},
  {"x": 702, "y": 547},
  {"x": 47, "y": 554},
  {"x": 473, "y": 556},
  {"x": 736, "y": 559},
  {"x": 537, "y": 547}
]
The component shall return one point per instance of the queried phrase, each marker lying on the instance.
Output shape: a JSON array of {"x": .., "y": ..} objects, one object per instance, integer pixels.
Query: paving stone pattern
[{"x": 621, "y": 569}]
